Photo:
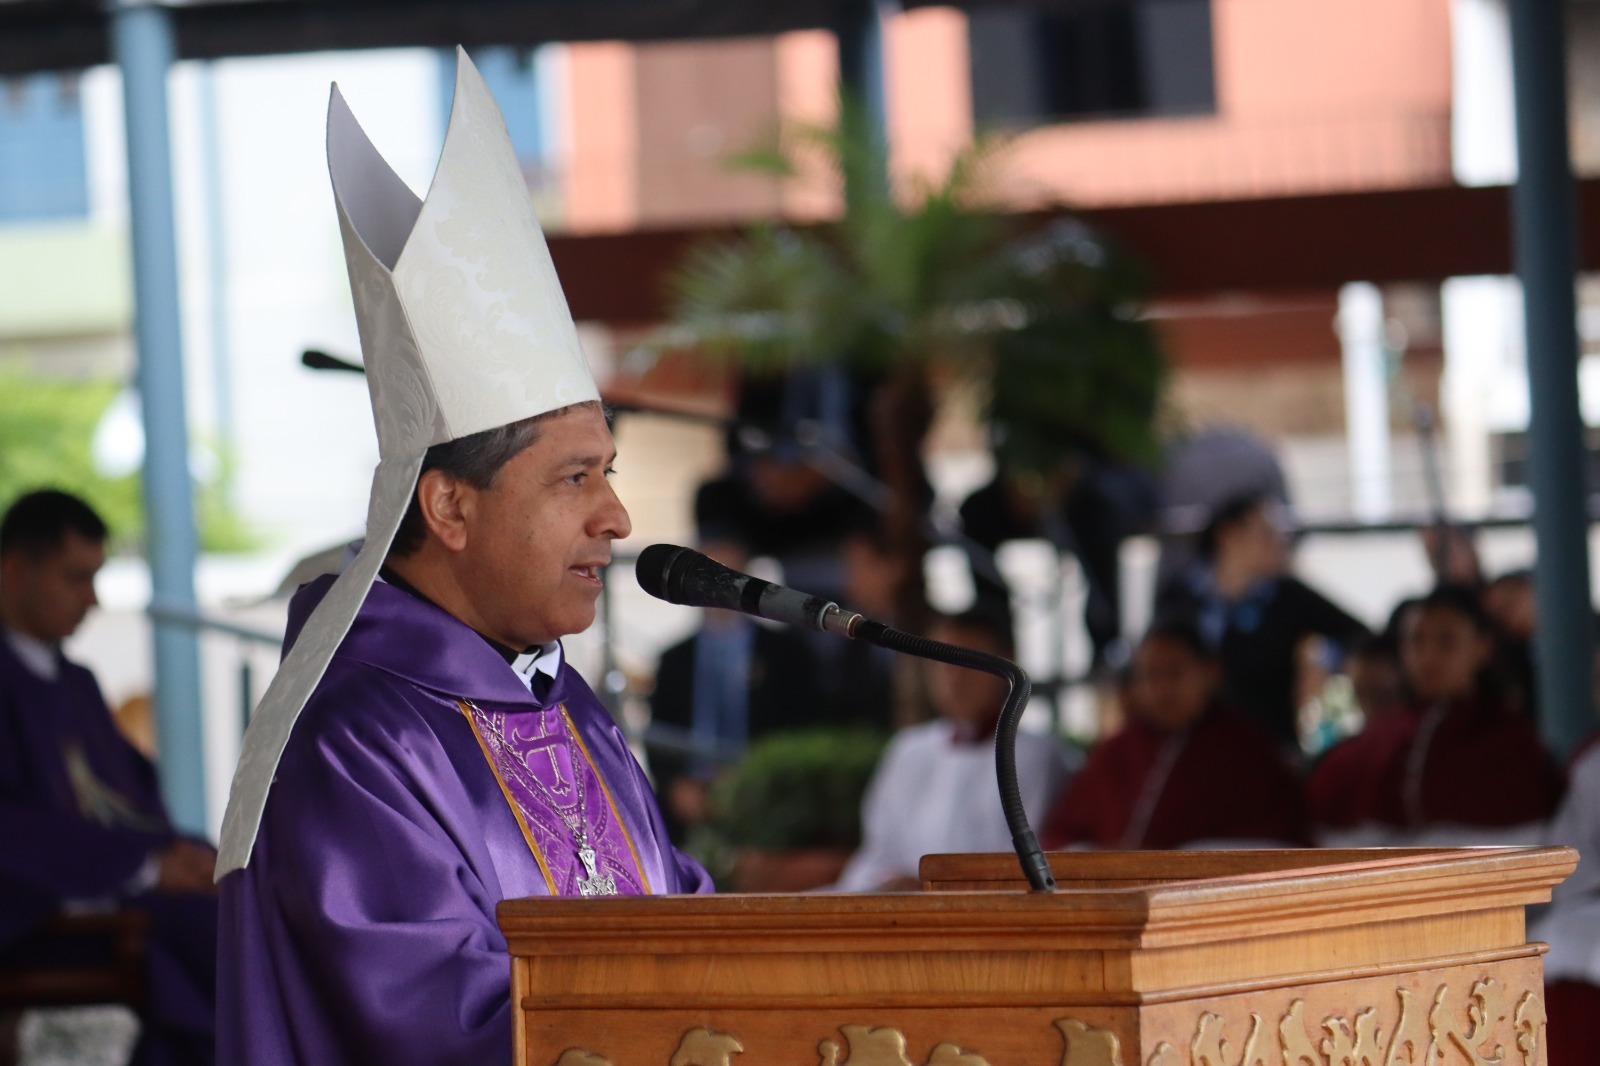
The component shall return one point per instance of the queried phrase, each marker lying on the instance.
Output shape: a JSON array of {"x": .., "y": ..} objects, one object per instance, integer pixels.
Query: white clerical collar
[
  {"x": 545, "y": 659},
  {"x": 39, "y": 657}
]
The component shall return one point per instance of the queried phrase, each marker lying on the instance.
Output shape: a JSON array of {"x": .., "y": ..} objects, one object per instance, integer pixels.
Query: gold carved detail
[
  {"x": 1088, "y": 1046},
  {"x": 705, "y": 1047},
  {"x": 577, "y": 1056},
  {"x": 1438, "y": 1036},
  {"x": 1530, "y": 1026},
  {"x": 873, "y": 1045}
]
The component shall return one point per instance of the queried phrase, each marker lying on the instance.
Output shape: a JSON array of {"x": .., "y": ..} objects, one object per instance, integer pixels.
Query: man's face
[
  {"x": 48, "y": 596},
  {"x": 539, "y": 537}
]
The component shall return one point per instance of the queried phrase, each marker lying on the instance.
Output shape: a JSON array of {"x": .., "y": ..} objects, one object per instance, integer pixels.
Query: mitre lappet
[{"x": 463, "y": 327}]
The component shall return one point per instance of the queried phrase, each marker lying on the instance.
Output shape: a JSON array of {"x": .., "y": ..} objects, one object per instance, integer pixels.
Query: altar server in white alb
[{"x": 936, "y": 788}]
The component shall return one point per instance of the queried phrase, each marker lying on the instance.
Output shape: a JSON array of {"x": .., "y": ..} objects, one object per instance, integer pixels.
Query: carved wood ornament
[
  {"x": 1437, "y": 1036},
  {"x": 1484, "y": 1033}
]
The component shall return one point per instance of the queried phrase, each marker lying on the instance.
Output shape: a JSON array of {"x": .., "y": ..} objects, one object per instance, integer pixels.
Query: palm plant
[{"x": 926, "y": 285}]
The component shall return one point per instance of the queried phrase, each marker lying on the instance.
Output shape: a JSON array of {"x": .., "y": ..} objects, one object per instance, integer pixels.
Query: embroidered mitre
[{"x": 463, "y": 328}]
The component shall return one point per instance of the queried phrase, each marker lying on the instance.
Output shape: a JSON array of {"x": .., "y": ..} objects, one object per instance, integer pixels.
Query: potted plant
[{"x": 787, "y": 816}]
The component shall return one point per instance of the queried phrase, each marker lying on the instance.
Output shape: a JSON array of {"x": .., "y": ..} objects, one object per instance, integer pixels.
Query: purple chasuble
[
  {"x": 80, "y": 812},
  {"x": 80, "y": 809},
  {"x": 363, "y": 930}
]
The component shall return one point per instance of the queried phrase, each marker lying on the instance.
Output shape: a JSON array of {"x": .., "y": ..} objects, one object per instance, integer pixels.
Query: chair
[{"x": 73, "y": 960}]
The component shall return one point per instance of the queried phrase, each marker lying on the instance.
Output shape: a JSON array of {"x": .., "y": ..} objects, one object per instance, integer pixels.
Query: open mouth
[{"x": 588, "y": 573}]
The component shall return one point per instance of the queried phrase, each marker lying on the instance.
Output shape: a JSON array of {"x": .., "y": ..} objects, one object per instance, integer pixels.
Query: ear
[
  {"x": 12, "y": 567},
  {"x": 445, "y": 508}
]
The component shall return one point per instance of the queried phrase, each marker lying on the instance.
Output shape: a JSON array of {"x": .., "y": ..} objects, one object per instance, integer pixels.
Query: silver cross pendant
[{"x": 594, "y": 884}]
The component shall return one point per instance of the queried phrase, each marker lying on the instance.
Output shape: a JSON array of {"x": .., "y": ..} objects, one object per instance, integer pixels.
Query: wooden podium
[{"x": 1252, "y": 958}]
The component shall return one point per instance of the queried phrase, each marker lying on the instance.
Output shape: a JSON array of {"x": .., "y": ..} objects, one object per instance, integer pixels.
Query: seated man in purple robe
[
  {"x": 82, "y": 824},
  {"x": 425, "y": 750}
]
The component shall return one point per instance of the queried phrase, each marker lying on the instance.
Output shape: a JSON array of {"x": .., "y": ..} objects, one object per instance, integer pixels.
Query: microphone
[
  {"x": 684, "y": 576},
  {"x": 314, "y": 359}
]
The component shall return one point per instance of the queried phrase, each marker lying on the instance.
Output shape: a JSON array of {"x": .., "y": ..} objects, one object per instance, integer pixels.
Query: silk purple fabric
[
  {"x": 50, "y": 848},
  {"x": 80, "y": 811},
  {"x": 363, "y": 930}
]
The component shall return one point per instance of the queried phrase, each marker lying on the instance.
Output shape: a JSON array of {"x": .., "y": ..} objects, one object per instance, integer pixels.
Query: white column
[
  {"x": 1483, "y": 135},
  {"x": 1366, "y": 400},
  {"x": 1485, "y": 386}
]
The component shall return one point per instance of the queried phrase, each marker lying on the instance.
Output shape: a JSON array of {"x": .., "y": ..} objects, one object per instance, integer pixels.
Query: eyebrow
[{"x": 589, "y": 460}]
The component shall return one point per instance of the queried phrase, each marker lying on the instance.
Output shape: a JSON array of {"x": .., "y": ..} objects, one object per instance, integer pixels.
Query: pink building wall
[{"x": 1312, "y": 96}]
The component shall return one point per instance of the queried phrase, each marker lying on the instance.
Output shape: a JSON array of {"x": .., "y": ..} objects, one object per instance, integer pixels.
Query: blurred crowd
[{"x": 1254, "y": 711}]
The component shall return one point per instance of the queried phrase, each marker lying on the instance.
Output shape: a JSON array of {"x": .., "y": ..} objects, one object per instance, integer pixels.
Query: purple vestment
[
  {"x": 80, "y": 812},
  {"x": 363, "y": 929}
]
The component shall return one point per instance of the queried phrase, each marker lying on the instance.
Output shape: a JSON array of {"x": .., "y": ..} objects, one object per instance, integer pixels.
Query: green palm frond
[{"x": 1048, "y": 321}]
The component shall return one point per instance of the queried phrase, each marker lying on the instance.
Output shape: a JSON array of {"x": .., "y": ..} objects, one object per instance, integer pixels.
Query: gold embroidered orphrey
[
  {"x": 871, "y": 1045},
  {"x": 1483, "y": 1031}
]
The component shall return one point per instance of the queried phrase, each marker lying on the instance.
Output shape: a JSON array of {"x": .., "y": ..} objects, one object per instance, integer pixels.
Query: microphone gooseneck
[
  {"x": 1035, "y": 867},
  {"x": 684, "y": 576}
]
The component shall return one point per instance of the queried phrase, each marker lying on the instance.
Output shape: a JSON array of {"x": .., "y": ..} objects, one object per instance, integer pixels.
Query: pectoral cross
[{"x": 594, "y": 884}]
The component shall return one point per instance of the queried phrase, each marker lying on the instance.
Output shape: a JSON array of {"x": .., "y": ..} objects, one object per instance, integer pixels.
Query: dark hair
[
  {"x": 1230, "y": 513},
  {"x": 1520, "y": 576},
  {"x": 38, "y": 522},
  {"x": 1381, "y": 647},
  {"x": 1461, "y": 599},
  {"x": 986, "y": 617},
  {"x": 1182, "y": 632},
  {"x": 476, "y": 459}
]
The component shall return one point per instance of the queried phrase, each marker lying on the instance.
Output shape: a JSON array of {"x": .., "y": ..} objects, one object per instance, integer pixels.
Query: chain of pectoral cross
[{"x": 577, "y": 822}]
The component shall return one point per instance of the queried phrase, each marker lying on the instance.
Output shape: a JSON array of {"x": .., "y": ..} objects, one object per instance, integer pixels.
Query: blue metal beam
[
  {"x": 1544, "y": 227},
  {"x": 142, "y": 42}
]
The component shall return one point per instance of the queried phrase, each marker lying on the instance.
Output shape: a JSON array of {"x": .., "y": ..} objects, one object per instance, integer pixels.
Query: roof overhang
[
  {"x": 1191, "y": 249},
  {"x": 73, "y": 34}
]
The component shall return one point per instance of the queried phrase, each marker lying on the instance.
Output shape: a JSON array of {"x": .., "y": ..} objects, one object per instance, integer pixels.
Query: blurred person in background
[
  {"x": 1241, "y": 599},
  {"x": 859, "y": 679},
  {"x": 1376, "y": 680},
  {"x": 82, "y": 823},
  {"x": 1087, "y": 507},
  {"x": 1185, "y": 770},
  {"x": 730, "y": 682},
  {"x": 935, "y": 789},
  {"x": 1571, "y": 924},
  {"x": 1459, "y": 765},
  {"x": 1508, "y": 600}
]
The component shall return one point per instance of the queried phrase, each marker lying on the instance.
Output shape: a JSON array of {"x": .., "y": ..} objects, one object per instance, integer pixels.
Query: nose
[{"x": 611, "y": 520}]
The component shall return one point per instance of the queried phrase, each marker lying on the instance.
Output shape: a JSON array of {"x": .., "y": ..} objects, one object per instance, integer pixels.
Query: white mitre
[{"x": 463, "y": 328}]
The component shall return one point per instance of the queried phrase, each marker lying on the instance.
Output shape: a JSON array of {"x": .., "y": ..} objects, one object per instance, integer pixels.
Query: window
[
  {"x": 43, "y": 170},
  {"x": 1102, "y": 60}
]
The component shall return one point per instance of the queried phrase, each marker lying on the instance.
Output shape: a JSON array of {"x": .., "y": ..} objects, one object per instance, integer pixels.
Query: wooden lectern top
[{"x": 1141, "y": 947}]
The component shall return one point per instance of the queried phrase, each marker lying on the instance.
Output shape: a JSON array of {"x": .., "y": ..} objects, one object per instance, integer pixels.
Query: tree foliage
[
  {"x": 46, "y": 428},
  {"x": 1046, "y": 322}
]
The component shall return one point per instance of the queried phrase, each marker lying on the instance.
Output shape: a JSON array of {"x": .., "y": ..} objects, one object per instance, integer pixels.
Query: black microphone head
[
  {"x": 655, "y": 566},
  {"x": 684, "y": 576}
]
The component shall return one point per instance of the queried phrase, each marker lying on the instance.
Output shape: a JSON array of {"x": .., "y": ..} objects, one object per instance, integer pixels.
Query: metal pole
[
  {"x": 858, "y": 29},
  {"x": 217, "y": 261},
  {"x": 142, "y": 42},
  {"x": 1544, "y": 211}
]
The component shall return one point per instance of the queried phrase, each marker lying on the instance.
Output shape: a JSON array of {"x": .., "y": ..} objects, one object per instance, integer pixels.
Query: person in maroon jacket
[
  {"x": 1186, "y": 770},
  {"x": 1458, "y": 765}
]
